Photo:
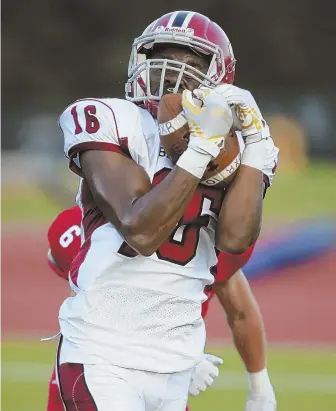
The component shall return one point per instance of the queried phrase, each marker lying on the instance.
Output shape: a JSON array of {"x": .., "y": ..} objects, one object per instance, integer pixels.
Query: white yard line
[
  {"x": 221, "y": 343},
  {"x": 315, "y": 383}
]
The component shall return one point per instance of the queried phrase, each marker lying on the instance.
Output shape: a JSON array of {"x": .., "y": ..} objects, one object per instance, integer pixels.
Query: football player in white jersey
[{"x": 133, "y": 332}]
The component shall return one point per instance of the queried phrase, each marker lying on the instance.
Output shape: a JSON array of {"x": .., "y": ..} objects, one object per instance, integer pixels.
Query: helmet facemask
[{"x": 142, "y": 67}]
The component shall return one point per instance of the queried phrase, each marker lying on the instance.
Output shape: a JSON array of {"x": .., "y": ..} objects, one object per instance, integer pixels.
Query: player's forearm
[
  {"x": 153, "y": 216},
  {"x": 241, "y": 213},
  {"x": 245, "y": 320},
  {"x": 249, "y": 338},
  {"x": 144, "y": 214}
]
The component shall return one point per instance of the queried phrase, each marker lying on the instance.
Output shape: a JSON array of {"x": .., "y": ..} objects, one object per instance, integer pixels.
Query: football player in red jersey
[
  {"x": 64, "y": 243},
  {"x": 230, "y": 286}
]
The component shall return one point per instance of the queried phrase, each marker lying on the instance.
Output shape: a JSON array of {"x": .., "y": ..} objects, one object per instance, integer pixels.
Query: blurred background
[{"x": 54, "y": 52}]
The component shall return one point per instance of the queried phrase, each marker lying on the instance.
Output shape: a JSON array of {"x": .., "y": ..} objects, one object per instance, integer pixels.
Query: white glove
[
  {"x": 254, "y": 129},
  {"x": 261, "y": 395},
  {"x": 204, "y": 374},
  {"x": 246, "y": 114},
  {"x": 209, "y": 117}
]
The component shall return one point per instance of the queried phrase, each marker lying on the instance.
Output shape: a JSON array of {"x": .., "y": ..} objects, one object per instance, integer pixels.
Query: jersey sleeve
[
  {"x": 54, "y": 266},
  {"x": 228, "y": 264},
  {"x": 64, "y": 238},
  {"x": 273, "y": 151},
  {"x": 271, "y": 163},
  {"x": 94, "y": 124}
]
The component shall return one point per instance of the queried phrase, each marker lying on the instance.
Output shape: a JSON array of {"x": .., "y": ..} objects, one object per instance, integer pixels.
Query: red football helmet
[{"x": 184, "y": 28}]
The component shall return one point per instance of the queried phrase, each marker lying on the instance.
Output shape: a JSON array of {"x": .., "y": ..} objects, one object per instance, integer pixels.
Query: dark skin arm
[
  {"x": 240, "y": 217},
  {"x": 245, "y": 320},
  {"x": 144, "y": 215}
]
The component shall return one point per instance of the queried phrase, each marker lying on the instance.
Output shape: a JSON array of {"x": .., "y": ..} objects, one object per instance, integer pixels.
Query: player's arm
[
  {"x": 144, "y": 215},
  {"x": 241, "y": 213},
  {"x": 245, "y": 320}
]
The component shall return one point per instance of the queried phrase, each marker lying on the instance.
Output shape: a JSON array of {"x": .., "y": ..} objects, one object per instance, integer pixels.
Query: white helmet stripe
[
  {"x": 187, "y": 19},
  {"x": 172, "y": 18}
]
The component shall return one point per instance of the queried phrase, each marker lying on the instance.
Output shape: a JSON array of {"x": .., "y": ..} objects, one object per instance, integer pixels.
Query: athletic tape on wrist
[
  {"x": 259, "y": 382},
  {"x": 254, "y": 155},
  {"x": 194, "y": 162}
]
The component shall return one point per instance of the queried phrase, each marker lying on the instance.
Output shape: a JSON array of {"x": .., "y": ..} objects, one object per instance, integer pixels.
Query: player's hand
[
  {"x": 254, "y": 129},
  {"x": 245, "y": 117},
  {"x": 209, "y": 117},
  {"x": 258, "y": 402},
  {"x": 204, "y": 374}
]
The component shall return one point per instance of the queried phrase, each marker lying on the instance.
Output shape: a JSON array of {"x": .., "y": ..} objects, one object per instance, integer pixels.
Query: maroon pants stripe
[{"x": 74, "y": 391}]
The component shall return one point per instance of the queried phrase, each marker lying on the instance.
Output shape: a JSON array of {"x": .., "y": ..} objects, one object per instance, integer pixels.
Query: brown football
[{"x": 174, "y": 136}]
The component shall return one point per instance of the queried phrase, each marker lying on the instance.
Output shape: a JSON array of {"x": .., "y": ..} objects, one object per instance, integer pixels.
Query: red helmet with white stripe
[{"x": 184, "y": 28}]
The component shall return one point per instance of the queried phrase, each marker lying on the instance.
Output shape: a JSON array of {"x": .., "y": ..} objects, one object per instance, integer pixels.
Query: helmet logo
[{"x": 187, "y": 31}]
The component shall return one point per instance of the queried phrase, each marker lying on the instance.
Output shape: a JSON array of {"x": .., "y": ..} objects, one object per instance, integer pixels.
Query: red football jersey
[{"x": 64, "y": 237}]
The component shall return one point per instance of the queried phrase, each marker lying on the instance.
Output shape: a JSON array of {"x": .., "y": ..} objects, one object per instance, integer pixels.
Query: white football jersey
[{"x": 129, "y": 310}]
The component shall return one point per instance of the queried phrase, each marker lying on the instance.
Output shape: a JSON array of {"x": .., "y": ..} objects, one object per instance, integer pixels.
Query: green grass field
[{"x": 305, "y": 379}]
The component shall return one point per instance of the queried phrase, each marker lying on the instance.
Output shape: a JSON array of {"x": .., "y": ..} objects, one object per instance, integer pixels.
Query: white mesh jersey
[{"x": 129, "y": 310}]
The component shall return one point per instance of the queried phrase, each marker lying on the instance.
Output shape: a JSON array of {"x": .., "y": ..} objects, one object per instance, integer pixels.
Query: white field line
[
  {"x": 222, "y": 343},
  {"x": 316, "y": 383},
  {"x": 219, "y": 343}
]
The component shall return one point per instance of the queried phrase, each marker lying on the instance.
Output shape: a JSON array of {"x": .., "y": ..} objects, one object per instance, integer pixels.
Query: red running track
[{"x": 298, "y": 304}]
